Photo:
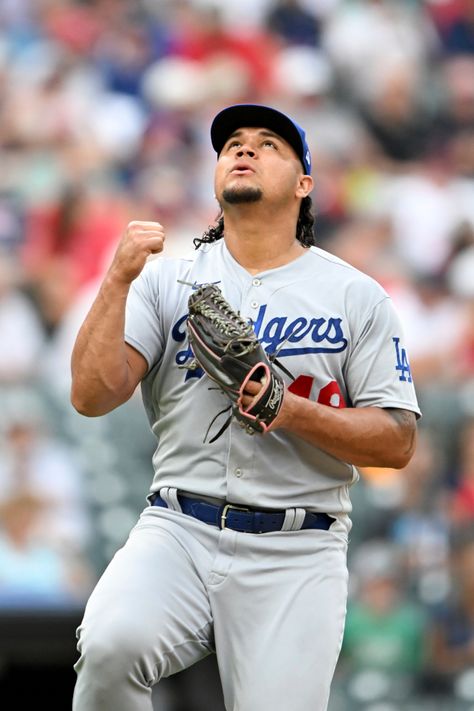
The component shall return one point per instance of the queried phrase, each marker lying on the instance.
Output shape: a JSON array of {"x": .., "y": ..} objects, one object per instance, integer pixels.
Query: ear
[{"x": 305, "y": 186}]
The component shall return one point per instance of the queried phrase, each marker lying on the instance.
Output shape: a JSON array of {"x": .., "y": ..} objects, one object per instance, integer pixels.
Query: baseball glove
[{"x": 226, "y": 348}]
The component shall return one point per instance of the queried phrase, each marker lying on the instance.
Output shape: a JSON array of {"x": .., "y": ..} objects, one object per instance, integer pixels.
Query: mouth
[{"x": 242, "y": 169}]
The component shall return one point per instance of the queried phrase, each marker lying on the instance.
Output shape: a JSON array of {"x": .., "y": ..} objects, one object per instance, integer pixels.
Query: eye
[
  {"x": 269, "y": 142},
  {"x": 233, "y": 144}
]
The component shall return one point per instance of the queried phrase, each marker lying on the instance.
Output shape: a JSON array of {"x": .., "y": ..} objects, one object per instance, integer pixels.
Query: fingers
[
  {"x": 252, "y": 387},
  {"x": 250, "y": 394},
  {"x": 149, "y": 235},
  {"x": 140, "y": 240},
  {"x": 145, "y": 224}
]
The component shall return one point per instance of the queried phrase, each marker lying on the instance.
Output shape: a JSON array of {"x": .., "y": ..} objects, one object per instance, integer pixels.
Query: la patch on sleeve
[{"x": 402, "y": 365}]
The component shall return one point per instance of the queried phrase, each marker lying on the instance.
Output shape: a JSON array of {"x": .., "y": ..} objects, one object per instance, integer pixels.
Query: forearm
[
  {"x": 368, "y": 436},
  {"x": 101, "y": 378},
  {"x": 105, "y": 371}
]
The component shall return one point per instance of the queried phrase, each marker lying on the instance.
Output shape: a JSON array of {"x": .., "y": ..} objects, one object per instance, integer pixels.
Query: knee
[{"x": 113, "y": 652}]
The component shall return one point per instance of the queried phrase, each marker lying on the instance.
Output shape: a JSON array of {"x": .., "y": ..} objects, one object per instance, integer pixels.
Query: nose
[{"x": 245, "y": 150}]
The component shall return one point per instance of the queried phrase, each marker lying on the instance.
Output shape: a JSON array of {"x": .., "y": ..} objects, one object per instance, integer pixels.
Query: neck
[{"x": 261, "y": 242}]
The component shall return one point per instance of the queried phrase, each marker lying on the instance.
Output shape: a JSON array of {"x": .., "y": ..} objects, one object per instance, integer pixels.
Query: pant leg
[
  {"x": 279, "y": 618},
  {"x": 148, "y": 617}
]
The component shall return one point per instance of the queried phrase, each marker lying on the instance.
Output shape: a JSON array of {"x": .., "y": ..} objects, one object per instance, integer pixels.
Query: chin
[{"x": 236, "y": 195}]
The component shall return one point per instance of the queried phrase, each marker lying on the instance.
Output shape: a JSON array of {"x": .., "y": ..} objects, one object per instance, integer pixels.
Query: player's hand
[
  {"x": 138, "y": 242},
  {"x": 250, "y": 395}
]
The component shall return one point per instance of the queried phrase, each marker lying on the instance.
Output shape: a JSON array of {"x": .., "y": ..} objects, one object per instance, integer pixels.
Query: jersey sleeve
[
  {"x": 142, "y": 319},
  {"x": 378, "y": 369}
]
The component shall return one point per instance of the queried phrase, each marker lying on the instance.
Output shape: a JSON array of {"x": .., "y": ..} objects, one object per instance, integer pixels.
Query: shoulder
[
  {"x": 343, "y": 269},
  {"x": 163, "y": 276},
  {"x": 344, "y": 276},
  {"x": 162, "y": 264},
  {"x": 163, "y": 269}
]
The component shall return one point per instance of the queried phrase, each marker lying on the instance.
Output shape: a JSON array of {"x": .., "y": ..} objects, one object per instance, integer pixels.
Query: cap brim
[{"x": 252, "y": 115}]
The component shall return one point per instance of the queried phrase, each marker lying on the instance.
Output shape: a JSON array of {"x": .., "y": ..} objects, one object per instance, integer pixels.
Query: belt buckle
[{"x": 225, "y": 511}]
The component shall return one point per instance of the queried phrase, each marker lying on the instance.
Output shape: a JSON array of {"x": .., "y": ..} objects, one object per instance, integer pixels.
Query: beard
[{"x": 238, "y": 196}]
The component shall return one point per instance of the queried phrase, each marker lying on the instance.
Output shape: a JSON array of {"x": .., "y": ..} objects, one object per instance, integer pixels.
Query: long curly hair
[{"x": 304, "y": 227}]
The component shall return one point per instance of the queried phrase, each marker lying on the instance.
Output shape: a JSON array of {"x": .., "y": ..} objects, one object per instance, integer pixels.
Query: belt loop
[
  {"x": 170, "y": 496},
  {"x": 294, "y": 519}
]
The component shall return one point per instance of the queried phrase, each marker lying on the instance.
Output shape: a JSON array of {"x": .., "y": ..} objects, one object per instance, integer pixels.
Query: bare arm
[
  {"x": 365, "y": 436},
  {"x": 105, "y": 369}
]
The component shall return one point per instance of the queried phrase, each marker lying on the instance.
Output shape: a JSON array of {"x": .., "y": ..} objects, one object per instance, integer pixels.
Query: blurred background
[{"x": 105, "y": 108}]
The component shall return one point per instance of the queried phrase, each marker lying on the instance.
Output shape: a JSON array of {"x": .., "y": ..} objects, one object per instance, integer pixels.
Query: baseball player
[{"x": 241, "y": 548}]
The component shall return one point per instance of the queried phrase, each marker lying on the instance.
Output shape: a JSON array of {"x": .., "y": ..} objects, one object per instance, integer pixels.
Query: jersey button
[
  {"x": 256, "y": 282},
  {"x": 238, "y": 472},
  {"x": 254, "y": 304}
]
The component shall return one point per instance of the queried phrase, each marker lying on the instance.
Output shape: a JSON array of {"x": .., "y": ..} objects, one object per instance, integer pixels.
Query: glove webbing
[
  {"x": 232, "y": 324},
  {"x": 209, "y": 302}
]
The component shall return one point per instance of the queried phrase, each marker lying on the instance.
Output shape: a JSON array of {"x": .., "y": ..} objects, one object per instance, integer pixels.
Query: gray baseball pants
[{"x": 271, "y": 605}]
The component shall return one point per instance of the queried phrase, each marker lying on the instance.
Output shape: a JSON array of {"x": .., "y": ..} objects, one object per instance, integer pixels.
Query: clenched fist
[{"x": 139, "y": 241}]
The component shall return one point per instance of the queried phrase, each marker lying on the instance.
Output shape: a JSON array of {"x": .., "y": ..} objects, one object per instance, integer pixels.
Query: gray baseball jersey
[
  {"x": 272, "y": 606},
  {"x": 335, "y": 329}
]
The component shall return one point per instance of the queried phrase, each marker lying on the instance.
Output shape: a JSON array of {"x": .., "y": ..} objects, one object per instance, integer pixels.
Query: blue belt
[{"x": 241, "y": 518}]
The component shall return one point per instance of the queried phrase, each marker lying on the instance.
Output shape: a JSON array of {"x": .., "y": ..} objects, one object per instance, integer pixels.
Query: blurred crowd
[{"x": 105, "y": 108}]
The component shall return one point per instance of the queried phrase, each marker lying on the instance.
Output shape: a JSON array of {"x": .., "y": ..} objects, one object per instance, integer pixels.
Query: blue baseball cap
[{"x": 234, "y": 117}]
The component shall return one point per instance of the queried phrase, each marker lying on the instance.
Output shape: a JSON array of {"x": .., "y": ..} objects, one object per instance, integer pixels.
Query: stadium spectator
[
  {"x": 34, "y": 571},
  {"x": 385, "y": 630},
  {"x": 452, "y": 624},
  {"x": 22, "y": 333},
  {"x": 103, "y": 118}
]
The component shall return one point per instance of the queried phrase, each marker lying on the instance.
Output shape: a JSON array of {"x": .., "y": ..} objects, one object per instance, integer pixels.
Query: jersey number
[{"x": 329, "y": 395}]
